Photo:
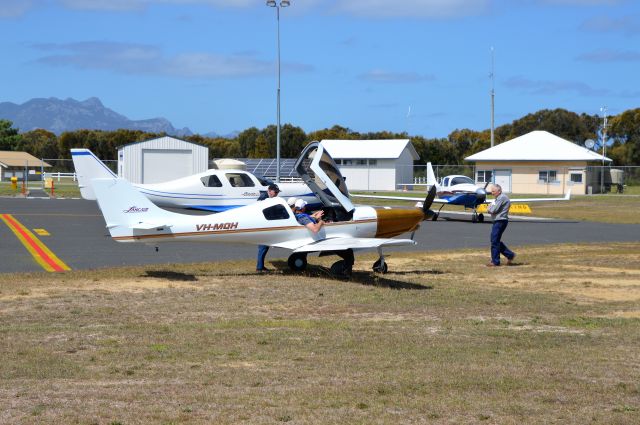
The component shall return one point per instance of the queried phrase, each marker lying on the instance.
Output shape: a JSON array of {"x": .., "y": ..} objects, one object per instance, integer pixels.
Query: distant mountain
[{"x": 58, "y": 115}]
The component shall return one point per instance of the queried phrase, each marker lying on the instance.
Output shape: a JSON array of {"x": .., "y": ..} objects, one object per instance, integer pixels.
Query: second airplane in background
[
  {"x": 212, "y": 190},
  {"x": 461, "y": 190}
]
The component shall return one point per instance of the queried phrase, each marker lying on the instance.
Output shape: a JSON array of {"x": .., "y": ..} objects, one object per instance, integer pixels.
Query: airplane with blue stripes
[{"x": 212, "y": 190}]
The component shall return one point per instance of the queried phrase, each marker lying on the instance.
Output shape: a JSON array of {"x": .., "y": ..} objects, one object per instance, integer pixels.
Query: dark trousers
[
  {"x": 497, "y": 247},
  {"x": 262, "y": 253}
]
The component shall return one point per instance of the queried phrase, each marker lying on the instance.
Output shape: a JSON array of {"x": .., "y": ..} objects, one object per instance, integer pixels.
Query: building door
[
  {"x": 503, "y": 178},
  {"x": 161, "y": 165}
]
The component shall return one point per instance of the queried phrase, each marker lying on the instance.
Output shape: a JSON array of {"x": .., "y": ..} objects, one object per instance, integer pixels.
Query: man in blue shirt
[
  {"x": 499, "y": 210},
  {"x": 313, "y": 222}
]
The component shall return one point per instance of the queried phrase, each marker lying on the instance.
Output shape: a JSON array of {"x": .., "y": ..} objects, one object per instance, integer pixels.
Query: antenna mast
[{"x": 493, "y": 95}]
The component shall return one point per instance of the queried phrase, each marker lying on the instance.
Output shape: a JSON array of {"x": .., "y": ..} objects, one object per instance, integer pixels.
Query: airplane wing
[
  {"x": 401, "y": 198},
  {"x": 447, "y": 201},
  {"x": 565, "y": 198},
  {"x": 339, "y": 244}
]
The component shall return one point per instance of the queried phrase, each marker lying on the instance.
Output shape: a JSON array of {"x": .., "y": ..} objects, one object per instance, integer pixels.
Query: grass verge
[{"x": 440, "y": 339}]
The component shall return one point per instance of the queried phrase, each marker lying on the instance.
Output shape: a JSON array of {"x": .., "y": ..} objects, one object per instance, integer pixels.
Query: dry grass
[{"x": 440, "y": 339}]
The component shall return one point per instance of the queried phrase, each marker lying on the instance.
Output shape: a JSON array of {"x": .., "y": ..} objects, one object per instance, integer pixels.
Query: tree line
[{"x": 623, "y": 137}]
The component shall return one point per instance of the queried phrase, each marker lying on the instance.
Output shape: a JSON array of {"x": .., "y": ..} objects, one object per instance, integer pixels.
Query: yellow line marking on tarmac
[{"x": 39, "y": 251}]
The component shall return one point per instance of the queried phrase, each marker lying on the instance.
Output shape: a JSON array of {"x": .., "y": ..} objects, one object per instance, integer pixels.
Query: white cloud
[
  {"x": 554, "y": 87},
  {"x": 627, "y": 25},
  {"x": 141, "y": 59},
  {"x": 14, "y": 8},
  {"x": 381, "y": 76},
  {"x": 610, "y": 55},
  {"x": 411, "y": 8}
]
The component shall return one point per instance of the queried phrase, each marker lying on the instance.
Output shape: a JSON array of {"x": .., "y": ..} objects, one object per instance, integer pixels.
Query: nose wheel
[{"x": 380, "y": 266}]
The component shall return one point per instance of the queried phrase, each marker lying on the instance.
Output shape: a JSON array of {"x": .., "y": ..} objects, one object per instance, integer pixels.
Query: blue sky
[{"x": 420, "y": 66}]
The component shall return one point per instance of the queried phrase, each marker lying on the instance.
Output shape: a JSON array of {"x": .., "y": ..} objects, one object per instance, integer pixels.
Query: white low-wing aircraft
[
  {"x": 212, "y": 190},
  {"x": 461, "y": 190},
  {"x": 132, "y": 217}
]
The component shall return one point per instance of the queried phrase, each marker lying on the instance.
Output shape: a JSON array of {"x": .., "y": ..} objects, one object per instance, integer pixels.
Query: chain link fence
[{"x": 540, "y": 179}]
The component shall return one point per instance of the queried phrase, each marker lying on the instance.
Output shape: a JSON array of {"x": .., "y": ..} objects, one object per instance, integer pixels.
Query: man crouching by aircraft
[
  {"x": 313, "y": 222},
  {"x": 499, "y": 210}
]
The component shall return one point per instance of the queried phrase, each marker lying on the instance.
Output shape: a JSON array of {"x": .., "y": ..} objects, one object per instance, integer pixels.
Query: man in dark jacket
[
  {"x": 499, "y": 210},
  {"x": 272, "y": 191}
]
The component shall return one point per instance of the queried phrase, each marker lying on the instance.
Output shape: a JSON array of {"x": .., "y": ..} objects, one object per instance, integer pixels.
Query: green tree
[
  {"x": 39, "y": 143},
  {"x": 9, "y": 136},
  {"x": 625, "y": 130},
  {"x": 562, "y": 123},
  {"x": 334, "y": 133},
  {"x": 292, "y": 141},
  {"x": 261, "y": 148},
  {"x": 247, "y": 141}
]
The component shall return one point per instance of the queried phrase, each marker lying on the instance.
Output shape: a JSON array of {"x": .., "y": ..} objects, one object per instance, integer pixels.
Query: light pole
[{"x": 274, "y": 3}]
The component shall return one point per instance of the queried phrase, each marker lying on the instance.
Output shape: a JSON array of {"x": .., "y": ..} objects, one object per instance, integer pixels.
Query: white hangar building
[
  {"x": 160, "y": 160},
  {"x": 373, "y": 164},
  {"x": 540, "y": 163}
]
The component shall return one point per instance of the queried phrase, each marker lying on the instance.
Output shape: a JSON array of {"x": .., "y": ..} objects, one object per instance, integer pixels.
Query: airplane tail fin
[
  {"x": 88, "y": 167},
  {"x": 431, "y": 177},
  {"x": 125, "y": 209}
]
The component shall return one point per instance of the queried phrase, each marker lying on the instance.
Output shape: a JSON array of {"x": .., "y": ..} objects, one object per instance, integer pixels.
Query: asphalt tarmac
[{"x": 78, "y": 237}]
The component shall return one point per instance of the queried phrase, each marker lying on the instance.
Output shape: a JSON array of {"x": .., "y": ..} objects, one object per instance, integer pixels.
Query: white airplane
[
  {"x": 132, "y": 217},
  {"x": 212, "y": 190},
  {"x": 461, "y": 190}
]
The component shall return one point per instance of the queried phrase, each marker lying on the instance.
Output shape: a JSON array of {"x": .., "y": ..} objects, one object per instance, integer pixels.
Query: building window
[
  {"x": 547, "y": 176},
  {"x": 576, "y": 178},
  {"x": 484, "y": 176}
]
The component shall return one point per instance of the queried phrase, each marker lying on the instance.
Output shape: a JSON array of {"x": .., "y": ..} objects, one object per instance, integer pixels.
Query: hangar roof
[
  {"x": 537, "y": 146},
  {"x": 20, "y": 159},
  {"x": 361, "y": 149}
]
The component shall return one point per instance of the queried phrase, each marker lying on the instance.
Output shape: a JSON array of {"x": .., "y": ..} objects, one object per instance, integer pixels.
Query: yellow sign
[
  {"x": 48, "y": 183},
  {"x": 520, "y": 208},
  {"x": 515, "y": 208}
]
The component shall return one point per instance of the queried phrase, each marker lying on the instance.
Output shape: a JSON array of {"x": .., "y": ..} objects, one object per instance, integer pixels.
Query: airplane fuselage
[
  {"x": 270, "y": 222},
  {"x": 217, "y": 190}
]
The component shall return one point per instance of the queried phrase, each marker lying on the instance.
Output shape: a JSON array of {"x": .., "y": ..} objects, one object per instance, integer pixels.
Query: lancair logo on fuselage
[{"x": 135, "y": 209}]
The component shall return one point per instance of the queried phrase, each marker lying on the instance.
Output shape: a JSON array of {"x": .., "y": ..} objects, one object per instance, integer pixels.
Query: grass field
[{"x": 440, "y": 339}]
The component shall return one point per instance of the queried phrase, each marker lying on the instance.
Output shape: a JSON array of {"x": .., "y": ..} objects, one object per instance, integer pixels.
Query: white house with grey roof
[
  {"x": 539, "y": 162},
  {"x": 373, "y": 164}
]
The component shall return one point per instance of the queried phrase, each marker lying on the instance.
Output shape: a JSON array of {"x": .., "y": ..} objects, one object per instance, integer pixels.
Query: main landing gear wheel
[
  {"x": 380, "y": 267},
  {"x": 298, "y": 261},
  {"x": 481, "y": 218}
]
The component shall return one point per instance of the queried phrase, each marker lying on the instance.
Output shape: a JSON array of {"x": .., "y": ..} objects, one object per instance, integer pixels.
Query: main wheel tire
[
  {"x": 481, "y": 218},
  {"x": 297, "y": 262},
  {"x": 380, "y": 269}
]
